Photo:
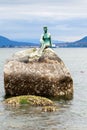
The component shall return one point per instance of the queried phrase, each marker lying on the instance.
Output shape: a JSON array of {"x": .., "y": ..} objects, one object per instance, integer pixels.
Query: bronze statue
[
  {"x": 45, "y": 42},
  {"x": 45, "y": 39}
]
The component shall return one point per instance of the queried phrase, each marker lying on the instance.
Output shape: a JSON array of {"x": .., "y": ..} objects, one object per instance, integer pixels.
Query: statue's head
[{"x": 45, "y": 29}]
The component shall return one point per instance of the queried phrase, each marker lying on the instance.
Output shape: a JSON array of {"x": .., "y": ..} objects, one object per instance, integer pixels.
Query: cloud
[
  {"x": 48, "y": 8},
  {"x": 24, "y": 18}
]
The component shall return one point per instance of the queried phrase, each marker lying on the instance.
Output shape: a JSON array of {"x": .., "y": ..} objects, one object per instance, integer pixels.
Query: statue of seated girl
[{"x": 45, "y": 39}]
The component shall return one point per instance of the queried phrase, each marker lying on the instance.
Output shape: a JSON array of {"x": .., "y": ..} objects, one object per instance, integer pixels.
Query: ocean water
[{"x": 72, "y": 115}]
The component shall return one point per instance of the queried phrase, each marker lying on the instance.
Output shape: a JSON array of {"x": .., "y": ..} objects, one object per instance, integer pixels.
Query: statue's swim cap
[{"x": 45, "y": 27}]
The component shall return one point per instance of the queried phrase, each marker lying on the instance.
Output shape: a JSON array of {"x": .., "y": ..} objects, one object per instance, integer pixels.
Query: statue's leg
[{"x": 42, "y": 48}]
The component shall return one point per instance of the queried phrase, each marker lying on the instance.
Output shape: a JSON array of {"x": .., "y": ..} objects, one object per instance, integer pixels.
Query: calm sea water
[{"x": 72, "y": 115}]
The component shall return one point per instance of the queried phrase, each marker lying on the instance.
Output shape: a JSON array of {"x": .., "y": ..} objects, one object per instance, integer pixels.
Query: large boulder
[{"x": 31, "y": 73}]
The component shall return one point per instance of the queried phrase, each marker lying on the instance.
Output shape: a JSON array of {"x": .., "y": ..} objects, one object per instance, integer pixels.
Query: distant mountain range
[
  {"x": 5, "y": 42},
  {"x": 80, "y": 43}
]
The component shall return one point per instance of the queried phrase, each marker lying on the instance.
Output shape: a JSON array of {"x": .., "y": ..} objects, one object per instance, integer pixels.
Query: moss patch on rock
[{"x": 29, "y": 99}]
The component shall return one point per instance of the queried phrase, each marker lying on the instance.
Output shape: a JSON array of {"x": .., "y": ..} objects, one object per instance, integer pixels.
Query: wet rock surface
[
  {"x": 30, "y": 73},
  {"x": 31, "y": 100},
  {"x": 43, "y": 104}
]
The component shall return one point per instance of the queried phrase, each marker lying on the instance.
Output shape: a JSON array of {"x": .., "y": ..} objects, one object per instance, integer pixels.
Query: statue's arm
[
  {"x": 50, "y": 41},
  {"x": 41, "y": 40}
]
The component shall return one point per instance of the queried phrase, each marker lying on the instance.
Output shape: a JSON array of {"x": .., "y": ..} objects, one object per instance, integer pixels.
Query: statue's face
[{"x": 45, "y": 29}]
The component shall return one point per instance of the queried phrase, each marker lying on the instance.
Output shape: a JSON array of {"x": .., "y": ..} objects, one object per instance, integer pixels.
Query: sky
[{"x": 22, "y": 20}]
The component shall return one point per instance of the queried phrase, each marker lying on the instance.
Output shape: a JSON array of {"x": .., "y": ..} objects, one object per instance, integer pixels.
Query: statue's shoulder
[{"x": 49, "y": 34}]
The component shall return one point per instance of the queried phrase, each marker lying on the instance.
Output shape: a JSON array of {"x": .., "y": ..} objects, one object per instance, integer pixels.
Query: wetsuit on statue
[{"x": 45, "y": 39}]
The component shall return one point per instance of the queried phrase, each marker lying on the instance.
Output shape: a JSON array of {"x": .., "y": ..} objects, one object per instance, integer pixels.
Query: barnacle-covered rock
[
  {"x": 49, "y": 108},
  {"x": 30, "y": 100},
  {"x": 29, "y": 72}
]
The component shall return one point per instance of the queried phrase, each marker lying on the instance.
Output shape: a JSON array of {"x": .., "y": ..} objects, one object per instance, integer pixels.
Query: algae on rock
[{"x": 30, "y": 100}]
